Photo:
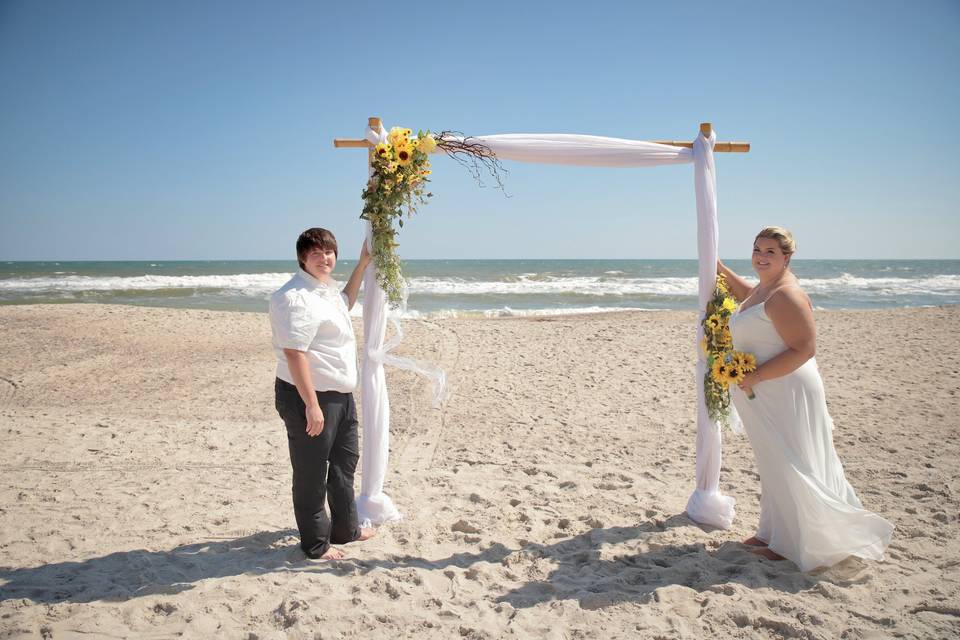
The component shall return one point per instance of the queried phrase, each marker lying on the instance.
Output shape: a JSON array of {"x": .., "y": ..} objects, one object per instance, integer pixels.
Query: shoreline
[{"x": 499, "y": 314}]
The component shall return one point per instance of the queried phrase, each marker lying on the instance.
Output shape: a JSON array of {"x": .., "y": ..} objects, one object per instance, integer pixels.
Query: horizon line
[{"x": 5, "y": 261}]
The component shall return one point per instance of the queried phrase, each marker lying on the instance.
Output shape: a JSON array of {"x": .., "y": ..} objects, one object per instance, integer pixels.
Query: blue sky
[{"x": 203, "y": 130}]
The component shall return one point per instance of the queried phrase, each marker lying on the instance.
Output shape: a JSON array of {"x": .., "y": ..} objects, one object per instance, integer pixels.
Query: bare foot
[
  {"x": 754, "y": 542},
  {"x": 366, "y": 534},
  {"x": 766, "y": 553},
  {"x": 332, "y": 554}
]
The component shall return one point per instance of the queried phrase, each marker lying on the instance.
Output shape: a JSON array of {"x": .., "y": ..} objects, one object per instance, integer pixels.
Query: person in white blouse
[{"x": 316, "y": 355}]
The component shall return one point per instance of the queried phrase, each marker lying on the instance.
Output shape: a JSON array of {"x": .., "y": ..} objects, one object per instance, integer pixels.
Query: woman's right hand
[{"x": 314, "y": 421}]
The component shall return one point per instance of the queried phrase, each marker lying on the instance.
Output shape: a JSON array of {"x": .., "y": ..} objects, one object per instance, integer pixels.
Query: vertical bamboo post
[
  {"x": 374, "y": 123},
  {"x": 706, "y": 129}
]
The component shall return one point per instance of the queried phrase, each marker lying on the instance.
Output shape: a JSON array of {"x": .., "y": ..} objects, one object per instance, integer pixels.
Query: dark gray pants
[{"x": 323, "y": 467}]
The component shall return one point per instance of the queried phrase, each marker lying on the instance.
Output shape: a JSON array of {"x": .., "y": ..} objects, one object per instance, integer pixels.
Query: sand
[{"x": 145, "y": 485}]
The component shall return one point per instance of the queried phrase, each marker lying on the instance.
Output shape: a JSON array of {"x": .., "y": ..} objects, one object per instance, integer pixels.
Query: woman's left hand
[
  {"x": 364, "y": 254},
  {"x": 749, "y": 381}
]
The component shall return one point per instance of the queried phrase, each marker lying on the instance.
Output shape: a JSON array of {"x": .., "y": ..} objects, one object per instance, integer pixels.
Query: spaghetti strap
[{"x": 792, "y": 284}]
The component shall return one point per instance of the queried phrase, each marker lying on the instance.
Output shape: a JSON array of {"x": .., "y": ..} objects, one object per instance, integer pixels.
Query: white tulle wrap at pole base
[{"x": 707, "y": 504}]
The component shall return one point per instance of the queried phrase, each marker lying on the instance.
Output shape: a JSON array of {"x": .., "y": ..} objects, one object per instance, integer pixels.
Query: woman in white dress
[{"x": 809, "y": 513}]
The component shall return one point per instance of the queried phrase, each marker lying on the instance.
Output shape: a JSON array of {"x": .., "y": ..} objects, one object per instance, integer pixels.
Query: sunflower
[
  {"x": 714, "y": 322},
  {"x": 734, "y": 374},
  {"x": 723, "y": 337},
  {"x": 404, "y": 155},
  {"x": 722, "y": 285},
  {"x": 729, "y": 305},
  {"x": 382, "y": 150},
  {"x": 719, "y": 372},
  {"x": 744, "y": 361}
]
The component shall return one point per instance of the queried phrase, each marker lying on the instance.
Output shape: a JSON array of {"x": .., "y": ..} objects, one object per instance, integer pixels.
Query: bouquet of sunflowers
[
  {"x": 725, "y": 366},
  {"x": 400, "y": 169}
]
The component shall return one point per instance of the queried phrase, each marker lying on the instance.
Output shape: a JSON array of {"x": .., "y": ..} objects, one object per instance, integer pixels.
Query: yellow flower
[
  {"x": 723, "y": 337},
  {"x": 402, "y": 145},
  {"x": 390, "y": 167},
  {"x": 404, "y": 156},
  {"x": 382, "y": 150},
  {"x": 719, "y": 371},
  {"x": 729, "y": 305},
  {"x": 426, "y": 144},
  {"x": 714, "y": 322},
  {"x": 397, "y": 133},
  {"x": 722, "y": 285},
  {"x": 734, "y": 374},
  {"x": 744, "y": 361}
]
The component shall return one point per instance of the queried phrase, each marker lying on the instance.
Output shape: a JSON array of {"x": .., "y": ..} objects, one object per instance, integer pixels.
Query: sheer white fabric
[
  {"x": 374, "y": 506},
  {"x": 707, "y": 504},
  {"x": 590, "y": 151}
]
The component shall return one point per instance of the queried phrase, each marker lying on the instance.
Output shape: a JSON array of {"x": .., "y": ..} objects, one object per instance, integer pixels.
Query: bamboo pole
[
  {"x": 723, "y": 147},
  {"x": 705, "y": 128},
  {"x": 374, "y": 123}
]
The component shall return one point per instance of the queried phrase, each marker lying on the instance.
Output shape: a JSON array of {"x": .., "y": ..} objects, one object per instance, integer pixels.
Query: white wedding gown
[{"x": 809, "y": 513}]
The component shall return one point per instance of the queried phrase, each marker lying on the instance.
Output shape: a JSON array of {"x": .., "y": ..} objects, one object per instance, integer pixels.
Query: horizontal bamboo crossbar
[
  {"x": 720, "y": 147},
  {"x": 341, "y": 143}
]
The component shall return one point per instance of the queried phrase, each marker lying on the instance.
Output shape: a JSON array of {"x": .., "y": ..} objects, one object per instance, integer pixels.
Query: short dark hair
[{"x": 314, "y": 238}]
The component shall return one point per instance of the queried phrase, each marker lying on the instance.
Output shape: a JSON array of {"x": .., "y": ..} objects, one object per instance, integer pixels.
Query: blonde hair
[{"x": 782, "y": 236}]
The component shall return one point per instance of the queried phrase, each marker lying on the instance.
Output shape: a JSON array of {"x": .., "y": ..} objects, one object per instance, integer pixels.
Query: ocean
[{"x": 442, "y": 288}]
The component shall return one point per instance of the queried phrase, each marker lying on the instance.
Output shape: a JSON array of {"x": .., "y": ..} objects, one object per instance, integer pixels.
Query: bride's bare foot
[
  {"x": 332, "y": 554},
  {"x": 366, "y": 534},
  {"x": 766, "y": 553},
  {"x": 754, "y": 542}
]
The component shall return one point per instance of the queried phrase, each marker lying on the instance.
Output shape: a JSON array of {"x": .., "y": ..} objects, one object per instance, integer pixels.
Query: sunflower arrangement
[
  {"x": 725, "y": 366},
  {"x": 397, "y": 186}
]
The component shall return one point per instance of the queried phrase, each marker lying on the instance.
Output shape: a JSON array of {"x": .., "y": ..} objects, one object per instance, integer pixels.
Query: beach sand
[{"x": 145, "y": 485}]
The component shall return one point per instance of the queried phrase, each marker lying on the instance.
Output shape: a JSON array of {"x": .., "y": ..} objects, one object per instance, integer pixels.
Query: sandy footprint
[{"x": 8, "y": 389}]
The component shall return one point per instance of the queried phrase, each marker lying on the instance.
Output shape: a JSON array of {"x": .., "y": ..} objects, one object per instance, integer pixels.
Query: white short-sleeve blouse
[{"x": 310, "y": 316}]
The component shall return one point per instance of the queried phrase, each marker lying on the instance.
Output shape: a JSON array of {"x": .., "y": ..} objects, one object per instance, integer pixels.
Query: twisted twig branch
[{"x": 474, "y": 156}]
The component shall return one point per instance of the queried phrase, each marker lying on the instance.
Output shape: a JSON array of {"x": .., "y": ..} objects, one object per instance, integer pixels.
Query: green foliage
[{"x": 395, "y": 190}]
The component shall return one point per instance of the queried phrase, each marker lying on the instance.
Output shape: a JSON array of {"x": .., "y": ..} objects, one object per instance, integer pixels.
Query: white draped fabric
[
  {"x": 374, "y": 506},
  {"x": 707, "y": 504}
]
